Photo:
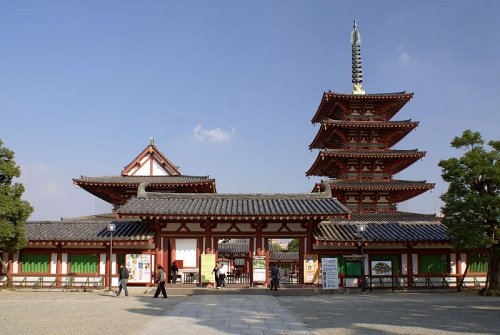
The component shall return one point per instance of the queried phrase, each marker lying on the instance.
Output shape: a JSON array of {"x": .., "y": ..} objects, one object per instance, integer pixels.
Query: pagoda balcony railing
[
  {"x": 365, "y": 145},
  {"x": 363, "y": 118},
  {"x": 365, "y": 175},
  {"x": 369, "y": 207}
]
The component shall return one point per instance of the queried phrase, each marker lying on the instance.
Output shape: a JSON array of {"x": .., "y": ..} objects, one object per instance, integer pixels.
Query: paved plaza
[{"x": 30, "y": 312}]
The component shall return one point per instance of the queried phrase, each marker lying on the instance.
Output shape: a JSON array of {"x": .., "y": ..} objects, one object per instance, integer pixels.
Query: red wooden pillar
[
  {"x": 258, "y": 240},
  {"x": 251, "y": 251},
  {"x": 59, "y": 265},
  {"x": 199, "y": 252},
  {"x": 266, "y": 253},
  {"x": 301, "y": 261},
  {"x": 108, "y": 266},
  {"x": 208, "y": 237},
  {"x": 308, "y": 246},
  {"x": 158, "y": 258}
]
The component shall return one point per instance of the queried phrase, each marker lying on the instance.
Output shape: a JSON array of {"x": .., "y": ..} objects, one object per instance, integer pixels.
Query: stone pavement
[
  {"x": 228, "y": 314},
  {"x": 251, "y": 311}
]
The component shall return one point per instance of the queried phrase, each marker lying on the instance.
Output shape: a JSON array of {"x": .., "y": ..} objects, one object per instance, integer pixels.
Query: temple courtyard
[{"x": 250, "y": 311}]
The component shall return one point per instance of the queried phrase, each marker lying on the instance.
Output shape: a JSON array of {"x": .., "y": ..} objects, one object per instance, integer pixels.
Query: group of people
[{"x": 220, "y": 273}]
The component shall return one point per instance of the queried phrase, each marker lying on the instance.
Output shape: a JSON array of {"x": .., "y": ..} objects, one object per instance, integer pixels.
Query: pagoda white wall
[{"x": 185, "y": 250}]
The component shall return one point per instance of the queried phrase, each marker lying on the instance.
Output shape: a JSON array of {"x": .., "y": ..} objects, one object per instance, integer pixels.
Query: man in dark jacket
[
  {"x": 275, "y": 277},
  {"x": 123, "y": 275},
  {"x": 174, "y": 270}
]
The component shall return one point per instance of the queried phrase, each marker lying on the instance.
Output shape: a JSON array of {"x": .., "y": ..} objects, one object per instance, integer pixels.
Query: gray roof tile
[{"x": 240, "y": 205}]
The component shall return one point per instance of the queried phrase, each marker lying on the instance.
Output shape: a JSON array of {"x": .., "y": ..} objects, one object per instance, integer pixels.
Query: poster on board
[
  {"x": 259, "y": 269},
  {"x": 381, "y": 268},
  {"x": 207, "y": 265},
  {"x": 311, "y": 269},
  {"x": 139, "y": 266}
]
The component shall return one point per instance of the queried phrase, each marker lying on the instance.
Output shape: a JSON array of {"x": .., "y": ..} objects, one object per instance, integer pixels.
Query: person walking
[
  {"x": 215, "y": 271},
  {"x": 123, "y": 275},
  {"x": 222, "y": 276},
  {"x": 160, "y": 282},
  {"x": 275, "y": 277},
  {"x": 173, "y": 271}
]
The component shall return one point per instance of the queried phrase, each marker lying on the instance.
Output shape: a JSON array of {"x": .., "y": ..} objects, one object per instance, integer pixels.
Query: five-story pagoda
[{"x": 356, "y": 140}]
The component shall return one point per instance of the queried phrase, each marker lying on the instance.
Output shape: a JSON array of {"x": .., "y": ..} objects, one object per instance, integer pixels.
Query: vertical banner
[
  {"x": 329, "y": 268},
  {"x": 259, "y": 269},
  {"x": 207, "y": 265},
  {"x": 139, "y": 266},
  {"x": 311, "y": 269}
]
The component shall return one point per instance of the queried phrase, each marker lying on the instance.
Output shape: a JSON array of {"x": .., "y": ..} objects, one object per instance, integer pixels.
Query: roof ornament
[
  {"x": 141, "y": 190},
  {"x": 151, "y": 140},
  {"x": 357, "y": 72}
]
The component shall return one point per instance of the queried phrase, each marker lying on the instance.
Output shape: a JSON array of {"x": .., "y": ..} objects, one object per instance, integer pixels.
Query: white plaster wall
[
  {"x": 404, "y": 264},
  {"x": 53, "y": 263},
  {"x": 414, "y": 263},
  {"x": 453, "y": 263},
  {"x": 185, "y": 250},
  {"x": 113, "y": 264},
  {"x": 15, "y": 263},
  {"x": 64, "y": 263},
  {"x": 102, "y": 264}
]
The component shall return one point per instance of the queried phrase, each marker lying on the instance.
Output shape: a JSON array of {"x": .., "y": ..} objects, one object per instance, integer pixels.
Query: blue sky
[{"x": 228, "y": 88}]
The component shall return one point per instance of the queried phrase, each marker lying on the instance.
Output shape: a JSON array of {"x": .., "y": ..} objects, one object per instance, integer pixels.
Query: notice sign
[
  {"x": 207, "y": 266},
  {"x": 311, "y": 269},
  {"x": 329, "y": 267},
  {"x": 139, "y": 266},
  {"x": 259, "y": 269}
]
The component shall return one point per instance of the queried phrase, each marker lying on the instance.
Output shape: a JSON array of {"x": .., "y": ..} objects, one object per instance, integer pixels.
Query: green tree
[
  {"x": 472, "y": 201},
  {"x": 13, "y": 211},
  {"x": 293, "y": 245}
]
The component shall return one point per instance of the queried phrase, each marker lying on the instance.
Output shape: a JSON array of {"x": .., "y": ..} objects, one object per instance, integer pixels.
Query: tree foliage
[
  {"x": 293, "y": 245},
  {"x": 472, "y": 201},
  {"x": 13, "y": 211}
]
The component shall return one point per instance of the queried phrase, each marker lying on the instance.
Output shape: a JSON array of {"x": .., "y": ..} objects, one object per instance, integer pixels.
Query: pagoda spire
[{"x": 357, "y": 72}]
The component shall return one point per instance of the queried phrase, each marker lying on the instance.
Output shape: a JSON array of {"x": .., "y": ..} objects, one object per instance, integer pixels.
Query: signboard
[
  {"x": 381, "y": 268},
  {"x": 207, "y": 266},
  {"x": 259, "y": 269},
  {"x": 329, "y": 267},
  {"x": 139, "y": 266},
  {"x": 311, "y": 269}
]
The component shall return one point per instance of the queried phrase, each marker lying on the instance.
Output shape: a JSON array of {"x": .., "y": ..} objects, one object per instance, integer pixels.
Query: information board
[
  {"x": 207, "y": 266},
  {"x": 381, "y": 268},
  {"x": 259, "y": 269},
  {"x": 139, "y": 266},
  {"x": 311, "y": 269},
  {"x": 329, "y": 267}
]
